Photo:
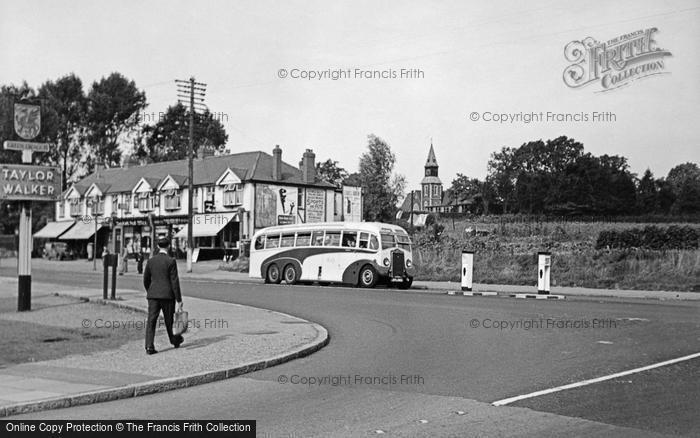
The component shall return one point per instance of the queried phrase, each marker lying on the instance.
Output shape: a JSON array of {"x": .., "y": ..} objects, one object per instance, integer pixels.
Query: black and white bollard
[
  {"x": 467, "y": 270},
  {"x": 544, "y": 266}
]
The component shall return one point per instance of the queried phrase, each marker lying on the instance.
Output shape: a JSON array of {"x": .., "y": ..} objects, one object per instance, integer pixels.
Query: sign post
[{"x": 26, "y": 183}]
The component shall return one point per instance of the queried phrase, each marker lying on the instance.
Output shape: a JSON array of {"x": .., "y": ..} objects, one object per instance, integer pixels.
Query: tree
[
  {"x": 647, "y": 194},
  {"x": 463, "y": 187},
  {"x": 67, "y": 105},
  {"x": 382, "y": 189},
  {"x": 684, "y": 181},
  {"x": 114, "y": 103},
  {"x": 503, "y": 174},
  {"x": 330, "y": 172},
  {"x": 168, "y": 139}
]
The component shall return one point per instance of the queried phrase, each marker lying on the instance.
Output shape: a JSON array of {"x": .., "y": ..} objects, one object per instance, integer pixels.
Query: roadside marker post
[
  {"x": 544, "y": 266},
  {"x": 27, "y": 183},
  {"x": 467, "y": 270}
]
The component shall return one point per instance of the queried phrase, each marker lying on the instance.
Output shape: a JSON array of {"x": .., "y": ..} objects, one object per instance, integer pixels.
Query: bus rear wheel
[
  {"x": 368, "y": 277},
  {"x": 273, "y": 274},
  {"x": 291, "y": 276}
]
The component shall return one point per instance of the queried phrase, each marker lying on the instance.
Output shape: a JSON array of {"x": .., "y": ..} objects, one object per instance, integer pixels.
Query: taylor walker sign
[
  {"x": 614, "y": 63},
  {"x": 29, "y": 183}
]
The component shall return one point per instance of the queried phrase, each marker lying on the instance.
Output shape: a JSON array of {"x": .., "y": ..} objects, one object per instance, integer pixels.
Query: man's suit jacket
[{"x": 160, "y": 278}]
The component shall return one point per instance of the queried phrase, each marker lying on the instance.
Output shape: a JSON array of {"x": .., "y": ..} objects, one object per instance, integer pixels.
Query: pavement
[
  {"x": 223, "y": 340},
  {"x": 209, "y": 271}
]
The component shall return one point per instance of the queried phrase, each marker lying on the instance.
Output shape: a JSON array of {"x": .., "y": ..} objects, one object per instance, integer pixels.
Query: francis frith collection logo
[{"x": 614, "y": 63}]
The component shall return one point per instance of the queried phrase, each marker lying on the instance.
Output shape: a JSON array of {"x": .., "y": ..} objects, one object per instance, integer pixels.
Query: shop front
[
  {"x": 80, "y": 239},
  {"x": 216, "y": 236},
  {"x": 137, "y": 235}
]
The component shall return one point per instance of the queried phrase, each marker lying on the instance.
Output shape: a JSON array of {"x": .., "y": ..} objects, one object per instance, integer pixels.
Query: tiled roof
[{"x": 251, "y": 166}]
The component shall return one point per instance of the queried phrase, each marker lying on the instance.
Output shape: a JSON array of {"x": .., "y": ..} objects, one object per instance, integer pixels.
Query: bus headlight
[
  {"x": 387, "y": 262},
  {"x": 409, "y": 263}
]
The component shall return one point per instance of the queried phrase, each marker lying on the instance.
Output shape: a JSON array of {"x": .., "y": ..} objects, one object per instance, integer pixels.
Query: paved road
[{"x": 443, "y": 343}]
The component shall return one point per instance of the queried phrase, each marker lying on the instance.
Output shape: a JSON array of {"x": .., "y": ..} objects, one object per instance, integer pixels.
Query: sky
[{"x": 500, "y": 57}]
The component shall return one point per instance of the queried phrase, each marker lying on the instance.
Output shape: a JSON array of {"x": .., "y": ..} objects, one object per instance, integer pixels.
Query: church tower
[{"x": 431, "y": 185}]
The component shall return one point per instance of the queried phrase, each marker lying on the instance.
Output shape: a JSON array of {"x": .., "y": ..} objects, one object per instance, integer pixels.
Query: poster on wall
[
  {"x": 275, "y": 205},
  {"x": 352, "y": 204},
  {"x": 315, "y": 205}
]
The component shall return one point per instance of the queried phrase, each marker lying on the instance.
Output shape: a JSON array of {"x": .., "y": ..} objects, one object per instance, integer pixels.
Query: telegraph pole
[{"x": 190, "y": 91}]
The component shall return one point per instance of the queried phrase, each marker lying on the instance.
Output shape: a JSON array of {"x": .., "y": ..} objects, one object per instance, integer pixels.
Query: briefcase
[{"x": 180, "y": 322}]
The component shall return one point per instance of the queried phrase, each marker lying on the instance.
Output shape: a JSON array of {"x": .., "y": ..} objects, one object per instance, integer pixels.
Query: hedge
[{"x": 651, "y": 237}]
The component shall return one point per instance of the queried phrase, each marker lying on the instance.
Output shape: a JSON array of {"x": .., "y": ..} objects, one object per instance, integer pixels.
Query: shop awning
[
  {"x": 53, "y": 229},
  {"x": 206, "y": 225},
  {"x": 81, "y": 231}
]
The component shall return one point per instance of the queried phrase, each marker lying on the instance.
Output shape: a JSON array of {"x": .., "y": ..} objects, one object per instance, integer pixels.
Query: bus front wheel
[
  {"x": 290, "y": 274},
  {"x": 368, "y": 277},
  {"x": 273, "y": 274}
]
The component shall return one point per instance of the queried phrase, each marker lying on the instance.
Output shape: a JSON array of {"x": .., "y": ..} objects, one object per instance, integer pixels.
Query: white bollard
[
  {"x": 544, "y": 266},
  {"x": 467, "y": 270}
]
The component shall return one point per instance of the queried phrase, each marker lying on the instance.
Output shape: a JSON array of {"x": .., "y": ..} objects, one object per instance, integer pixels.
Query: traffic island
[{"x": 223, "y": 341}]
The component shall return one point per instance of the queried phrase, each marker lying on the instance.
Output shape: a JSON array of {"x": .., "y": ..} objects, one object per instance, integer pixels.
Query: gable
[
  {"x": 170, "y": 183},
  {"x": 93, "y": 191},
  {"x": 73, "y": 193},
  {"x": 228, "y": 177},
  {"x": 143, "y": 186}
]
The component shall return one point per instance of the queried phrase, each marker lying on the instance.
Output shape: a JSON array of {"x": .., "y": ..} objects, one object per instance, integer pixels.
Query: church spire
[{"x": 431, "y": 161}]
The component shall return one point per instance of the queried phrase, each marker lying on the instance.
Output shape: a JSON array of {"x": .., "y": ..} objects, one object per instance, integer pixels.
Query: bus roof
[{"x": 359, "y": 226}]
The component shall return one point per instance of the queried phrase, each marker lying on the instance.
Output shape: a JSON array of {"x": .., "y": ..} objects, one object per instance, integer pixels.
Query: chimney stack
[
  {"x": 130, "y": 161},
  {"x": 205, "y": 151},
  {"x": 99, "y": 166},
  {"x": 277, "y": 163},
  {"x": 308, "y": 169}
]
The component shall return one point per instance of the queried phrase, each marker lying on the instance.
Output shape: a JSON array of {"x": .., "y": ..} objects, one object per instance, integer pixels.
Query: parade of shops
[{"x": 126, "y": 209}]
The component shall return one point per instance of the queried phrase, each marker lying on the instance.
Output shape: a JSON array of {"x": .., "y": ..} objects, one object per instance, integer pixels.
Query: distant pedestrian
[
  {"x": 162, "y": 284},
  {"x": 125, "y": 260}
]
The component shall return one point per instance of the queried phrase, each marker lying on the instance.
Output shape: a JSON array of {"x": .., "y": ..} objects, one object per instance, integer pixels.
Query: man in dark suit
[{"x": 162, "y": 291}]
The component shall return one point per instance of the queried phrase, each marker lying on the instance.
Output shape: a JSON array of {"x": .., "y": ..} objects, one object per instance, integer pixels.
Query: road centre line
[{"x": 507, "y": 401}]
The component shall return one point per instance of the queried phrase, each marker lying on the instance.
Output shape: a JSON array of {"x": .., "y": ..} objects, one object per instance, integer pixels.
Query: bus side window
[
  {"x": 349, "y": 239},
  {"x": 260, "y": 242},
  {"x": 364, "y": 240},
  {"x": 272, "y": 241},
  {"x": 303, "y": 239},
  {"x": 373, "y": 242},
  {"x": 317, "y": 238},
  {"x": 287, "y": 240},
  {"x": 332, "y": 239}
]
